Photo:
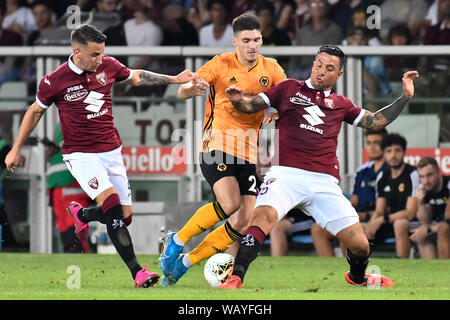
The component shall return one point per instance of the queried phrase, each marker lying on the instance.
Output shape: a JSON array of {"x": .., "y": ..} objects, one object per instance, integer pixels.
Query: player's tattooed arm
[
  {"x": 386, "y": 115},
  {"x": 148, "y": 78},
  {"x": 244, "y": 104}
]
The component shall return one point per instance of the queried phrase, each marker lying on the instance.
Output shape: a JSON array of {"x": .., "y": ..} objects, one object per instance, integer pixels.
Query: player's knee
[
  {"x": 443, "y": 228},
  {"x": 231, "y": 205},
  {"x": 265, "y": 217},
  {"x": 401, "y": 226},
  {"x": 360, "y": 248}
]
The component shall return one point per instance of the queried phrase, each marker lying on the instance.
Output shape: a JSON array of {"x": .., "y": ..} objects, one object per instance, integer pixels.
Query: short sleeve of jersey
[
  {"x": 278, "y": 73},
  {"x": 44, "y": 95},
  {"x": 209, "y": 69},
  {"x": 353, "y": 113},
  {"x": 122, "y": 73},
  {"x": 273, "y": 96}
]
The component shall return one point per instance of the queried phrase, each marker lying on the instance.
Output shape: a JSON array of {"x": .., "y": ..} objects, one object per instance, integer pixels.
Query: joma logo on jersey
[{"x": 74, "y": 88}]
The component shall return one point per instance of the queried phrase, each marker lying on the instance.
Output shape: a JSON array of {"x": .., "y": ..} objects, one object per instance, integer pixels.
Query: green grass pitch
[{"x": 25, "y": 276}]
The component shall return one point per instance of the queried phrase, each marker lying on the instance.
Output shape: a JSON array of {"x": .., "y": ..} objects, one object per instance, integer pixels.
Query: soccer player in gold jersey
[{"x": 229, "y": 148}]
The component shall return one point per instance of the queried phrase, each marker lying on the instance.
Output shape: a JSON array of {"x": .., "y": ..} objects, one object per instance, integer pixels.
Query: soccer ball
[{"x": 218, "y": 268}]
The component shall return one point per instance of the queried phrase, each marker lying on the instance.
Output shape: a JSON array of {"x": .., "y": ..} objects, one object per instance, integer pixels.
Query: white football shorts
[
  {"x": 97, "y": 172},
  {"x": 316, "y": 194}
]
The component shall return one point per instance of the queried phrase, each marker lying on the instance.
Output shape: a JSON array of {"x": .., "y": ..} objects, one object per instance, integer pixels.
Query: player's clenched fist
[{"x": 12, "y": 160}]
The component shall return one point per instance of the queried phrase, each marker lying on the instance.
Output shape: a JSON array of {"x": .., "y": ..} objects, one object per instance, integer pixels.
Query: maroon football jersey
[
  {"x": 83, "y": 100},
  {"x": 308, "y": 125}
]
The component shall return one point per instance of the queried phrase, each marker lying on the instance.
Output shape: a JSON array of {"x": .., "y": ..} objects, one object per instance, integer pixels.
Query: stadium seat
[{"x": 13, "y": 89}]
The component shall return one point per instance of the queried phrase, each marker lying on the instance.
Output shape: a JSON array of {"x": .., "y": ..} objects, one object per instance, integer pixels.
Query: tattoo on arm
[
  {"x": 384, "y": 116},
  {"x": 148, "y": 78},
  {"x": 252, "y": 105}
]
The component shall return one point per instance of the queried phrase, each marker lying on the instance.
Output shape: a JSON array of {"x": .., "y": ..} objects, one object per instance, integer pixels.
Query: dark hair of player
[
  {"x": 246, "y": 22},
  {"x": 382, "y": 132},
  {"x": 428, "y": 161},
  {"x": 334, "y": 51},
  {"x": 393, "y": 139},
  {"x": 85, "y": 33}
]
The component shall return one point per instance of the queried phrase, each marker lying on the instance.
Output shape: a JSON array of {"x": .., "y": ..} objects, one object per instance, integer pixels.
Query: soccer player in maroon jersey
[
  {"x": 310, "y": 118},
  {"x": 81, "y": 90}
]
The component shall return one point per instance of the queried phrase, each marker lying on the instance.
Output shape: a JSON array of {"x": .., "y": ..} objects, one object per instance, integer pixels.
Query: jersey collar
[
  {"x": 73, "y": 67},
  {"x": 326, "y": 93}
]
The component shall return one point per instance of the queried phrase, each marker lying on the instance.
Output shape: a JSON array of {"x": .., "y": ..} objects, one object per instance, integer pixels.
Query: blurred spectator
[
  {"x": 127, "y": 8},
  {"x": 399, "y": 35},
  {"x": 115, "y": 35},
  {"x": 364, "y": 191},
  {"x": 272, "y": 36},
  {"x": 433, "y": 236},
  {"x": 396, "y": 205},
  {"x": 363, "y": 197},
  {"x": 299, "y": 17},
  {"x": 284, "y": 9},
  {"x": 318, "y": 31},
  {"x": 139, "y": 32},
  {"x": 19, "y": 18},
  {"x": 9, "y": 66},
  {"x": 177, "y": 31},
  {"x": 219, "y": 33},
  {"x": 346, "y": 12},
  {"x": 241, "y": 6},
  {"x": 436, "y": 69},
  {"x": 42, "y": 12},
  {"x": 374, "y": 76},
  {"x": 198, "y": 14},
  {"x": 294, "y": 223},
  {"x": 409, "y": 12},
  {"x": 63, "y": 189}
]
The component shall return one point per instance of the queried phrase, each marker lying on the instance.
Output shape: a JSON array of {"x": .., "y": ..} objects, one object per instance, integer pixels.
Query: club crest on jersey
[
  {"x": 101, "y": 78},
  {"x": 93, "y": 183},
  {"x": 264, "y": 81},
  {"x": 329, "y": 103}
]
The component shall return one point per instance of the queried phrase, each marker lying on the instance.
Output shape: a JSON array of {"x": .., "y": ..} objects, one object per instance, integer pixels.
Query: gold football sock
[
  {"x": 203, "y": 219},
  {"x": 217, "y": 241}
]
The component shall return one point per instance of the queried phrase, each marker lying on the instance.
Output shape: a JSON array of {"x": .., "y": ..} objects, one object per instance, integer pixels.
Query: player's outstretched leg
[
  {"x": 203, "y": 219},
  {"x": 121, "y": 239}
]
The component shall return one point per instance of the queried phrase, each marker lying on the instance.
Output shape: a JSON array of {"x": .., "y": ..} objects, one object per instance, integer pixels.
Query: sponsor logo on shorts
[
  {"x": 222, "y": 167},
  {"x": 93, "y": 183},
  {"x": 269, "y": 181}
]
